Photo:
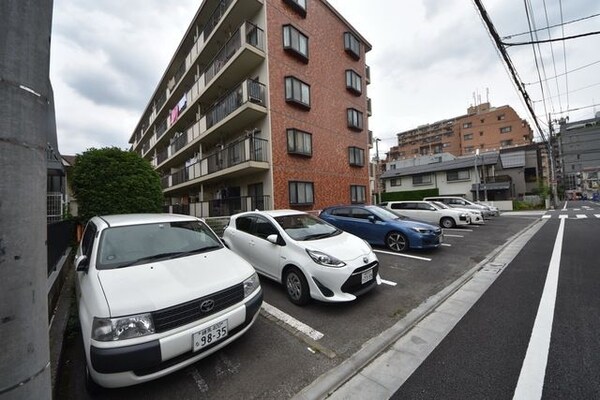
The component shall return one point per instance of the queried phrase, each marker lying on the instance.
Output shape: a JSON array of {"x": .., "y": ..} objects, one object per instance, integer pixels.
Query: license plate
[
  {"x": 212, "y": 334},
  {"x": 366, "y": 276}
]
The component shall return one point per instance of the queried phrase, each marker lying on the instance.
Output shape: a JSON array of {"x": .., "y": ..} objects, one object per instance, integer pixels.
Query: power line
[
  {"x": 565, "y": 73},
  {"x": 551, "y": 40},
  {"x": 564, "y": 53},
  {"x": 562, "y": 24}
]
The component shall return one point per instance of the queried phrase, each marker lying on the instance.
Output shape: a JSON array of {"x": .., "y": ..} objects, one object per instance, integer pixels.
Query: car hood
[
  {"x": 344, "y": 246},
  {"x": 160, "y": 284},
  {"x": 410, "y": 223}
]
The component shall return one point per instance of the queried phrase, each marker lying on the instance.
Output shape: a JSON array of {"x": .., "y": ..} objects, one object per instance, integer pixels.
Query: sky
[{"x": 431, "y": 60}]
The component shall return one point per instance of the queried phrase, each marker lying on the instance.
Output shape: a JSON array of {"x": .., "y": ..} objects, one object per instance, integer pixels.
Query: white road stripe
[
  {"x": 446, "y": 235},
  {"x": 388, "y": 282},
  {"x": 533, "y": 371},
  {"x": 565, "y": 207},
  {"x": 458, "y": 229},
  {"x": 291, "y": 321},
  {"x": 546, "y": 216},
  {"x": 446, "y": 244},
  {"x": 563, "y": 216},
  {"x": 581, "y": 216},
  {"x": 597, "y": 215},
  {"x": 402, "y": 255}
]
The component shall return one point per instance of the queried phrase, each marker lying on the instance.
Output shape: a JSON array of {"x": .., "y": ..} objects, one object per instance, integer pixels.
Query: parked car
[
  {"x": 158, "y": 292},
  {"x": 380, "y": 226},
  {"x": 310, "y": 257},
  {"x": 429, "y": 212},
  {"x": 475, "y": 216},
  {"x": 460, "y": 202},
  {"x": 495, "y": 210}
]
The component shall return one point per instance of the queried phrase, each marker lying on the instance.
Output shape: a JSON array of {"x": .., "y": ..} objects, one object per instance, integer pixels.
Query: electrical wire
[
  {"x": 565, "y": 73},
  {"x": 553, "y": 59},
  {"x": 565, "y": 52},
  {"x": 562, "y": 24},
  {"x": 552, "y": 40}
]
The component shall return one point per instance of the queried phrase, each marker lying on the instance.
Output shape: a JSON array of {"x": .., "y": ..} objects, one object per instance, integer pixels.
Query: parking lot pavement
[{"x": 276, "y": 360}]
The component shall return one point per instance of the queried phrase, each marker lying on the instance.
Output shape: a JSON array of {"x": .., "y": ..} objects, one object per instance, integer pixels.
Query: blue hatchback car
[{"x": 379, "y": 226}]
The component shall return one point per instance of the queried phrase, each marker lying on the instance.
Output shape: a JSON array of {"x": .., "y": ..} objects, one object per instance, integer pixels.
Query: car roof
[
  {"x": 272, "y": 213},
  {"x": 140, "y": 219}
]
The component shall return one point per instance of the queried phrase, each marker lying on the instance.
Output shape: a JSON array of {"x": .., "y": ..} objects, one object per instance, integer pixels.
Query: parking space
[{"x": 290, "y": 346}]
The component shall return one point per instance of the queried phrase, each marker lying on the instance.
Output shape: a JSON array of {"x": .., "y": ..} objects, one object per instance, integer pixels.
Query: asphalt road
[
  {"x": 484, "y": 355},
  {"x": 274, "y": 360}
]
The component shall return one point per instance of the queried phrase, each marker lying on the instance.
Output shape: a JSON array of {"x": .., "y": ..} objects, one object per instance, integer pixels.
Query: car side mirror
[
  {"x": 276, "y": 239},
  {"x": 82, "y": 263},
  {"x": 372, "y": 219}
]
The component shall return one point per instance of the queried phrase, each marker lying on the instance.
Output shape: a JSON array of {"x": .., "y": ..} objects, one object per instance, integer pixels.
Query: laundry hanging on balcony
[{"x": 182, "y": 104}]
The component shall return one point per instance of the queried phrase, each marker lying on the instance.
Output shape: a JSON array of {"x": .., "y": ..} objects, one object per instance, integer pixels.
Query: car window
[
  {"x": 263, "y": 228},
  {"x": 384, "y": 214},
  {"x": 88, "y": 239},
  {"x": 342, "y": 212},
  {"x": 306, "y": 227},
  {"x": 361, "y": 213},
  {"x": 123, "y": 246},
  {"x": 244, "y": 223},
  {"x": 400, "y": 206},
  {"x": 425, "y": 206}
]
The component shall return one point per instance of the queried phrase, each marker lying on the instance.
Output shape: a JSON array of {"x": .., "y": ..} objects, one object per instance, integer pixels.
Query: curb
[{"x": 333, "y": 379}]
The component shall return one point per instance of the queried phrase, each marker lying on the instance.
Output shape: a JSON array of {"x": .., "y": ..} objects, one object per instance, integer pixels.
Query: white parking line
[
  {"x": 446, "y": 235},
  {"x": 597, "y": 215},
  {"x": 581, "y": 216},
  {"x": 546, "y": 216},
  {"x": 402, "y": 255},
  {"x": 446, "y": 244},
  {"x": 388, "y": 282},
  {"x": 458, "y": 229},
  {"x": 291, "y": 321}
]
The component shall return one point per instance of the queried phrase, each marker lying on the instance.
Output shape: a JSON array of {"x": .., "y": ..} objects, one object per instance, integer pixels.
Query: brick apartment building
[
  {"x": 264, "y": 106},
  {"x": 483, "y": 127}
]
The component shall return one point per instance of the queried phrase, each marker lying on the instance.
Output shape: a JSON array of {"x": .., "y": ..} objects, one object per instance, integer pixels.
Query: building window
[
  {"x": 297, "y": 92},
  {"x": 469, "y": 149},
  {"x": 501, "y": 117},
  {"x": 395, "y": 182},
  {"x": 356, "y": 156},
  {"x": 352, "y": 45},
  {"x": 437, "y": 149},
  {"x": 301, "y": 193},
  {"x": 506, "y": 129},
  {"x": 480, "y": 133},
  {"x": 467, "y": 125},
  {"x": 353, "y": 82},
  {"x": 468, "y": 136},
  {"x": 423, "y": 179},
  {"x": 446, "y": 145},
  {"x": 392, "y": 166},
  {"x": 505, "y": 143},
  {"x": 460, "y": 175},
  {"x": 355, "y": 119},
  {"x": 295, "y": 42},
  {"x": 298, "y": 5},
  {"x": 530, "y": 174},
  {"x": 358, "y": 194},
  {"x": 299, "y": 142}
]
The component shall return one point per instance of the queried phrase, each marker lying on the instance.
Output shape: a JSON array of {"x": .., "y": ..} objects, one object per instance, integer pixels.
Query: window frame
[
  {"x": 290, "y": 98},
  {"x": 356, "y": 156},
  {"x": 355, "y": 119},
  {"x": 421, "y": 181},
  {"x": 299, "y": 8},
  {"x": 468, "y": 136},
  {"x": 506, "y": 129},
  {"x": 352, "y": 45},
  {"x": 355, "y": 192},
  {"x": 353, "y": 82},
  {"x": 458, "y": 177},
  {"x": 295, "y": 185},
  {"x": 289, "y": 31},
  {"x": 296, "y": 133}
]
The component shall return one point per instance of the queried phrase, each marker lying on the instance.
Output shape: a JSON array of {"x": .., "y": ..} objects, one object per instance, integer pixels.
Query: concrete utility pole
[
  {"x": 552, "y": 159},
  {"x": 25, "y": 94}
]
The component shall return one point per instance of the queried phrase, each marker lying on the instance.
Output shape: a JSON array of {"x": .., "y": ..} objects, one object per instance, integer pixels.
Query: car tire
[
  {"x": 396, "y": 241},
  {"x": 296, "y": 286},
  {"x": 447, "y": 223}
]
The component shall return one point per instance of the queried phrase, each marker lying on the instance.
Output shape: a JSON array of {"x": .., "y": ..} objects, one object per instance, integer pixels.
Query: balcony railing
[
  {"x": 179, "y": 143},
  {"x": 216, "y": 17},
  {"x": 234, "y": 100},
  {"x": 248, "y": 149},
  {"x": 222, "y": 207}
]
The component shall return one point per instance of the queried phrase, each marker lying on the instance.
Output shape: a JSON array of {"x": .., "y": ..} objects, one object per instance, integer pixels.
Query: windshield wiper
[
  {"x": 200, "y": 250},
  {"x": 319, "y": 236},
  {"x": 148, "y": 258}
]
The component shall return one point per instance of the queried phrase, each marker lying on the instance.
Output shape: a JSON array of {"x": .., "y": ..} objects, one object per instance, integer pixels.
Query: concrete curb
[{"x": 333, "y": 379}]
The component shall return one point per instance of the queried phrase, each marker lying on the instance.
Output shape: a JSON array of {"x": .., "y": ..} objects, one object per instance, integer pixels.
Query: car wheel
[
  {"x": 447, "y": 222},
  {"x": 396, "y": 241},
  {"x": 296, "y": 287}
]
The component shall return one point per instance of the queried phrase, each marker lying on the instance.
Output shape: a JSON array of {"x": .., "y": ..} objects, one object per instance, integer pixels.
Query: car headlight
[
  {"x": 109, "y": 329},
  {"x": 420, "y": 230},
  {"x": 325, "y": 259},
  {"x": 251, "y": 284}
]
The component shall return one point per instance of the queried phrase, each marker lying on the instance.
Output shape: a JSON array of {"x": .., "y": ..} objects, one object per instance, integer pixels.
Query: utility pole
[
  {"x": 553, "y": 182},
  {"x": 25, "y": 119},
  {"x": 476, "y": 176},
  {"x": 377, "y": 183}
]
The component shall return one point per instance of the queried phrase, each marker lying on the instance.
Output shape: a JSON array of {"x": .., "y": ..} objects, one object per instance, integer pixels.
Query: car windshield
[
  {"x": 306, "y": 227},
  {"x": 384, "y": 213},
  {"x": 125, "y": 246},
  {"x": 440, "y": 205}
]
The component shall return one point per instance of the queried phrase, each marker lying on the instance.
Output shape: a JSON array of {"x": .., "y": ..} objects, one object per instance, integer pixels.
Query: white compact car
[
  {"x": 429, "y": 212},
  {"x": 475, "y": 216},
  {"x": 461, "y": 202},
  {"x": 310, "y": 257},
  {"x": 158, "y": 292}
]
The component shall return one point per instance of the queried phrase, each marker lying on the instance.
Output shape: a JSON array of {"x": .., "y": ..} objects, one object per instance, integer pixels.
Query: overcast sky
[{"x": 429, "y": 58}]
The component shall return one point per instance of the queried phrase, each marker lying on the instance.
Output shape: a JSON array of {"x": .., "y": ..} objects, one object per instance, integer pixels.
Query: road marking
[
  {"x": 402, "y": 255},
  {"x": 388, "y": 282},
  {"x": 533, "y": 371},
  {"x": 291, "y": 321},
  {"x": 563, "y": 216},
  {"x": 446, "y": 235},
  {"x": 597, "y": 215},
  {"x": 446, "y": 244},
  {"x": 458, "y": 229},
  {"x": 577, "y": 209},
  {"x": 581, "y": 216},
  {"x": 546, "y": 216},
  {"x": 565, "y": 207}
]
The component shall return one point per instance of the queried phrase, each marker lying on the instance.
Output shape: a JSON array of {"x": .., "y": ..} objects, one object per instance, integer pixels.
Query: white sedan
[
  {"x": 429, "y": 212},
  {"x": 310, "y": 257},
  {"x": 475, "y": 216}
]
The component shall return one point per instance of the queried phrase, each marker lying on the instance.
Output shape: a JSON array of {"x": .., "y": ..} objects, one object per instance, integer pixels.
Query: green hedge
[{"x": 410, "y": 195}]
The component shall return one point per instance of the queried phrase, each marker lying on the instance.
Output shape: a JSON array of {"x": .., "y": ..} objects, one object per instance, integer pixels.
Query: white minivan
[
  {"x": 460, "y": 202},
  {"x": 429, "y": 212}
]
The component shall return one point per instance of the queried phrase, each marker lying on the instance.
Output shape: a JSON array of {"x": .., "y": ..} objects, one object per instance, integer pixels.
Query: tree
[{"x": 114, "y": 181}]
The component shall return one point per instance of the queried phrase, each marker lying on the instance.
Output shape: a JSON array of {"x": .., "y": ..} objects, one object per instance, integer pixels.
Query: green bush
[
  {"x": 409, "y": 195},
  {"x": 114, "y": 181}
]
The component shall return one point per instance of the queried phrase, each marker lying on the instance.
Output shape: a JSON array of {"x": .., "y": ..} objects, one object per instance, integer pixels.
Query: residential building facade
[
  {"x": 483, "y": 127},
  {"x": 263, "y": 106}
]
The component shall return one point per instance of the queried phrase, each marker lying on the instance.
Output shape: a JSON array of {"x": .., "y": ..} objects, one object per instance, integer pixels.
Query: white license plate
[
  {"x": 209, "y": 335},
  {"x": 366, "y": 276}
]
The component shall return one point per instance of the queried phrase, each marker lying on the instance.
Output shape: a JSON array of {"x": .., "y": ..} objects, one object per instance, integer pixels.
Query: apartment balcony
[
  {"x": 221, "y": 207},
  {"x": 245, "y": 157},
  {"x": 367, "y": 74},
  {"x": 369, "y": 110}
]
